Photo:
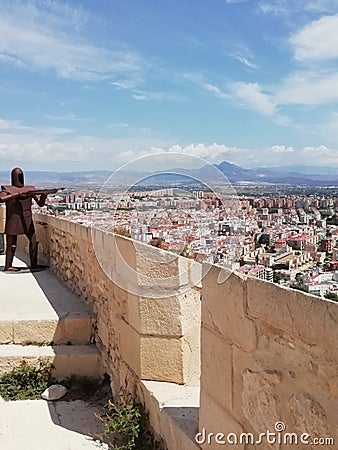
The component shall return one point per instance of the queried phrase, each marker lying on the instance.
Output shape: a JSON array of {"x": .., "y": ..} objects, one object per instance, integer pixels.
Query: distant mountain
[
  {"x": 293, "y": 175},
  {"x": 300, "y": 175}
]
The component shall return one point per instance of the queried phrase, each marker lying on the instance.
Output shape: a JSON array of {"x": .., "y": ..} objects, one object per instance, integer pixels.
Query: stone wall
[
  {"x": 154, "y": 336},
  {"x": 269, "y": 354}
]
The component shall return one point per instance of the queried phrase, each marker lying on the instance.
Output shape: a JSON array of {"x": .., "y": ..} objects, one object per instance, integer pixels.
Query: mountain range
[{"x": 290, "y": 175}]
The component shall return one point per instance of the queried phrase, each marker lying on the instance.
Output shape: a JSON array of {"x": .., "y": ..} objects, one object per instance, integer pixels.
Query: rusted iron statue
[{"x": 19, "y": 220}]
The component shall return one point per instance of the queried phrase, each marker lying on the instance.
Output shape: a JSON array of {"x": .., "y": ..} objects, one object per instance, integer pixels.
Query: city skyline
[{"x": 93, "y": 86}]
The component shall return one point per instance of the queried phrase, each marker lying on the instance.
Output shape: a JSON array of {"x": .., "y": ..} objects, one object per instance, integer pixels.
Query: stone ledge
[
  {"x": 173, "y": 412},
  {"x": 80, "y": 360},
  {"x": 294, "y": 313}
]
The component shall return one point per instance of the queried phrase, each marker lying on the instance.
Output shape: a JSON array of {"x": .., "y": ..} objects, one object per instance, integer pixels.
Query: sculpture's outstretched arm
[
  {"x": 41, "y": 200},
  {"x": 4, "y": 197}
]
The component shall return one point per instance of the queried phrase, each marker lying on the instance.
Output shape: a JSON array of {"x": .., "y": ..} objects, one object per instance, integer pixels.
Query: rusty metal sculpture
[{"x": 19, "y": 220}]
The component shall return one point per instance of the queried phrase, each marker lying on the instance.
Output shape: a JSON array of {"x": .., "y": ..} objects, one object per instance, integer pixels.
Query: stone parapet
[
  {"x": 154, "y": 332},
  {"x": 269, "y": 355}
]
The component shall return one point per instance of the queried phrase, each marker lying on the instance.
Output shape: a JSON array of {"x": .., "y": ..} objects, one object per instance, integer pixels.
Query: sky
[{"x": 96, "y": 84}]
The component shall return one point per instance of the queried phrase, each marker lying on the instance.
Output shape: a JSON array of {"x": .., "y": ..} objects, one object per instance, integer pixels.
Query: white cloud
[
  {"x": 281, "y": 149},
  {"x": 245, "y": 61},
  {"x": 213, "y": 89},
  {"x": 317, "y": 40},
  {"x": 7, "y": 124},
  {"x": 242, "y": 54},
  {"x": 250, "y": 95},
  {"x": 320, "y": 155},
  {"x": 290, "y": 7},
  {"x": 308, "y": 89},
  {"x": 40, "y": 35},
  {"x": 59, "y": 149}
]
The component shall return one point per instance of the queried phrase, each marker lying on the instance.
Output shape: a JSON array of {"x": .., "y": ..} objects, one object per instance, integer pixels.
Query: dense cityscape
[{"x": 287, "y": 236}]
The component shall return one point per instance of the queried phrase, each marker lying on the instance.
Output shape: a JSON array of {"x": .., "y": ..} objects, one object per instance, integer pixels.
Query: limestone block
[
  {"x": 133, "y": 311},
  {"x": 300, "y": 363},
  {"x": 163, "y": 359},
  {"x": 173, "y": 413},
  {"x": 126, "y": 247},
  {"x": 223, "y": 309},
  {"x": 216, "y": 375},
  {"x": 82, "y": 361},
  {"x": 129, "y": 345},
  {"x": 216, "y": 420},
  {"x": 192, "y": 361},
  {"x": 293, "y": 312},
  {"x": 157, "y": 269},
  {"x": 34, "y": 331},
  {"x": 190, "y": 310},
  {"x": 97, "y": 238},
  {"x": 160, "y": 316},
  {"x": 6, "y": 332},
  {"x": 259, "y": 400}
]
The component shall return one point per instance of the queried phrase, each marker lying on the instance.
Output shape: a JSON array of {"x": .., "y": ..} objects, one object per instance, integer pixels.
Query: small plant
[
  {"x": 25, "y": 382},
  {"x": 126, "y": 427},
  {"x": 121, "y": 425}
]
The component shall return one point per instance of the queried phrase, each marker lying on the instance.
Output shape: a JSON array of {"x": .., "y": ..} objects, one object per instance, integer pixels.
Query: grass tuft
[{"x": 25, "y": 382}]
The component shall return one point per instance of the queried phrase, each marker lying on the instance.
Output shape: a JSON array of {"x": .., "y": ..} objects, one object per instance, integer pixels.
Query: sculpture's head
[{"x": 17, "y": 177}]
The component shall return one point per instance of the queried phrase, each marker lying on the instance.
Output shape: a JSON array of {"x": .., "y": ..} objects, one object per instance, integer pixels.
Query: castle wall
[{"x": 268, "y": 354}]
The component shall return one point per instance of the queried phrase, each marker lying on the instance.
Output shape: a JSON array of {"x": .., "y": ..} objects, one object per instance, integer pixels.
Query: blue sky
[{"x": 93, "y": 85}]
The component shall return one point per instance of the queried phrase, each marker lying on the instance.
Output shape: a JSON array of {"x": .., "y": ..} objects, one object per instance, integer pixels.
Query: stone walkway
[{"x": 37, "y": 307}]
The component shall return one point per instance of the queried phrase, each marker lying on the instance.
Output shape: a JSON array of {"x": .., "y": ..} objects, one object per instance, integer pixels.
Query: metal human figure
[{"x": 19, "y": 220}]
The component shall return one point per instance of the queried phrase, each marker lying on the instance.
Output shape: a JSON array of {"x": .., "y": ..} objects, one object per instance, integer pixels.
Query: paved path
[
  {"x": 38, "y": 424},
  {"x": 42, "y": 425},
  {"x": 35, "y": 296}
]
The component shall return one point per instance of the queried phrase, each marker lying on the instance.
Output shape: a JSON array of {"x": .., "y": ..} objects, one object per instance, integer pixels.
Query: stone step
[
  {"x": 80, "y": 360},
  {"x": 38, "y": 308},
  {"x": 74, "y": 328},
  {"x": 174, "y": 409}
]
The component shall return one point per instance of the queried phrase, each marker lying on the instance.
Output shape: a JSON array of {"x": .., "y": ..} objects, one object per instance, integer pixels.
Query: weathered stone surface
[
  {"x": 214, "y": 419},
  {"x": 308, "y": 415},
  {"x": 67, "y": 360},
  {"x": 173, "y": 409},
  {"x": 281, "y": 344},
  {"x": 289, "y": 311},
  {"x": 223, "y": 309},
  {"x": 160, "y": 316},
  {"x": 216, "y": 358},
  {"x": 129, "y": 345},
  {"x": 259, "y": 400},
  {"x": 163, "y": 359},
  {"x": 192, "y": 357},
  {"x": 6, "y": 332},
  {"x": 190, "y": 310},
  {"x": 126, "y": 320}
]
